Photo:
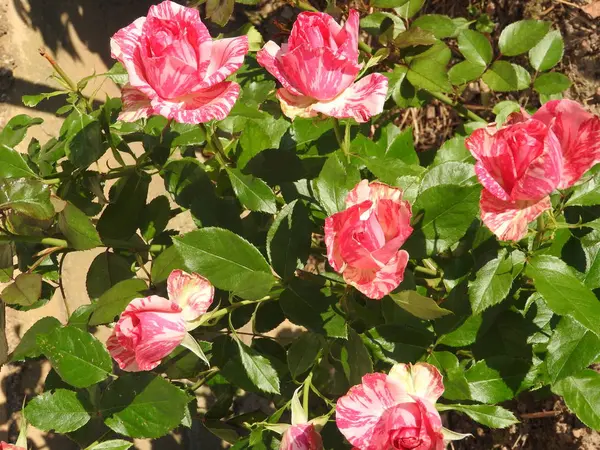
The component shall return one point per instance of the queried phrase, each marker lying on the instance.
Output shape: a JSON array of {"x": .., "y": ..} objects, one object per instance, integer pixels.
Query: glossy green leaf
[
  {"x": 451, "y": 172},
  {"x": 488, "y": 415},
  {"x": 303, "y": 353},
  {"x": 464, "y": 72},
  {"x": 252, "y": 192},
  {"x": 165, "y": 263},
  {"x": 85, "y": 143},
  {"x": 258, "y": 368},
  {"x": 571, "y": 349},
  {"x": 409, "y": 8},
  {"x": 227, "y": 260},
  {"x": 261, "y": 134},
  {"x": 114, "y": 301},
  {"x": 12, "y": 164},
  {"x": 418, "y": 305},
  {"x": 25, "y": 290},
  {"x": 336, "y": 179},
  {"x": 548, "y": 52},
  {"x": 26, "y": 196},
  {"x": 62, "y": 411},
  {"x": 497, "y": 379},
  {"x": 414, "y": 37},
  {"x": 28, "y": 347},
  {"x": 143, "y": 405},
  {"x": 355, "y": 358},
  {"x": 501, "y": 77},
  {"x": 78, "y": 228},
  {"x": 16, "y": 128},
  {"x": 582, "y": 395},
  {"x": 504, "y": 109},
  {"x": 587, "y": 193},
  {"x": 397, "y": 344},
  {"x": 114, "y": 444},
  {"x": 475, "y": 47},
  {"x": 429, "y": 75},
  {"x": 155, "y": 217},
  {"x": 33, "y": 100},
  {"x": 455, "y": 383},
  {"x": 106, "y": 270},
  {"x": 521, "y": 36},
  {"x": 440, "y": 25},
  {"x": 552, "y": 83},
  {"x": 564, "y": 293},
  {"x": 79, "y": 358}
]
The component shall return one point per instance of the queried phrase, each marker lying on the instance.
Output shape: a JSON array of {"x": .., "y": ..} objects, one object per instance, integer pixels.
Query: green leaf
[
  {"x": 78, "y": 357},
  {"x": 548, "y": 52},
  {"x": 62, "y": 411},
  {"x": 564, "y": 293},
  {"x": 429, "y": 75},
  {"x": 501, "y": 77},
  {"x": 28, "y": 347},
  {"x": 494, "y": 280},
  {"x": 409, "y": 8},
  {"x": 582, "y": 395},
  {"x": 16, "y": 129},
  {"x": 496, "y": 379},
  {"x": 452, "y": 150},
  {"x": 397, "y": 344},
  {"x": 252, "y": 192},
  {"x": 464, "y": 72},
  {"x": 115, "y": 444},
  {"x": 455, "y": 383},
  {"x": 219, "y": 11},
  {"x": 571, "y": 349},
  {"x": 121, "y": 218},
  {"x": 143, "y": 405},
  {"x": 521, "y": 36},
  {"x": 448, "y": 211},
  {"x": 26, "y": 290},
  {"x": 26, "y": 196},
  {"x": 106, "y": 270},
  {"x": 193, "y": 346},
  {"x": 166, "y": 262},
  {"x": 289, "y": 239},
  {"x": 418, "y": 305},
  {"x": 32, "y": 100},
  {"x": 259, "y": 135},
  {"x": 475, "y": 47},
  {"x": 188, "y": 135},
  {"x": 336, "y": 179},
  {"x": 586, "y": 193},
  {"x": 303, "y": 353},
  {"x": 552, "y": 83},
  {"x": 388, "y": 3},
  {"x": 441, "y": 26},
  {"x": 451, "y": 172},
  {"x": 78, "y": 228},
  {"x": 414, "y": 37},
  {"x": 355, "y": 358},
  {"x": 114, "y": 301},
  {"x": 504, "y": 109},
  {"x": 230, "y": 262},
  {"x": 488, "y": 415},
  {"x": 304, "y": 304},
  {"x": 382, "y": 24},
  {"x": 155, "y": 217},
  {"x": 85, "y": 143},
  {"x": 259, "y": 369},
  {"x": 12, "y": 164}
]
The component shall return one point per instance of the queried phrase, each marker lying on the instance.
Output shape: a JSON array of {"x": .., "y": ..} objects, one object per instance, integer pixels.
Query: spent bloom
[
  {"x": 175, "y": 68},
  {"x": 318, "y": 67},
  {"x": 152, "y": 327}
]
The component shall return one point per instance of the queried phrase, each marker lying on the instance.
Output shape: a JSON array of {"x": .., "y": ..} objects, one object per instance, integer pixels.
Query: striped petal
[
  {"x": 509, "y": 220},
  {"x": 136, "y": 104},
  {"x": 301, "y": 437},
  {"x": 214, "y": 103},
  {"x": 168, "y": 10},
  {"x": 125, "y": 41},
  {"x": 270, "y": 58},
  {"x": 124, "y": 356},
  {"x": 192, "y": 292},
  {"x": 227, "y": 56},
  {"x": 421, "y": 380}
]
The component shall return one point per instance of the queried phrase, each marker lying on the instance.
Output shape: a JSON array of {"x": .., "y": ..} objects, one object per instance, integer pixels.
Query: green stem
[
  {"x": 306, "y": 392},
  {"x": 61, "y": 73},
  {"x": 56, "y": 178},
  {"x": 365, "y": 48},
  {"x": 541, "y": 228},
  {"x": 305, "y": 6},
  {"x": 458, "y": 107},
  {"x": 214, "y": 146},
  {"x": 342, "y": 138},
  {"x": 425, "y": 270},
  {"x": 62, "y": 243},
  {"x": 209, "y": 374},
  {"x": 236, "y": 305}
]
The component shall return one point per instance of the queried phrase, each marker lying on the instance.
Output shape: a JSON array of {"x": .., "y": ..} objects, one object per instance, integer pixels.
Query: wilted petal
[
  {"x": 136, "y": 104},
  {"x": 214, "y": 103},
  {"x": 301, "y": 437},
  {"x": 509, "y": 220},
  {"x": 377, "y": 283},
  {"x": 359, "y": 101},
  {"x": 192, "y": 292},
  {"x": 358, "y": 413},
  {"x": 373, "y": 191},
  {"x": 295, "y": 105},
  {"x": 421, "y": 379},
  {"x": 227, "y": 56},
  {"x": 269, "y": 57}
]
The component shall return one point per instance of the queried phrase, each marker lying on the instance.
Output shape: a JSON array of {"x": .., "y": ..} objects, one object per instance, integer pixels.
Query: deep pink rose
[
  {"x": 318, "y": 68},
  {"x": 175, "y": 68},
  {"x": 363, "y": 241},
  {"x": 394, "y": 411},
  {"x": 578, "y": 132},
  {"x": 5, "y": 446},
  {"x": 150, "y": 328},
  {"x": 301, "y": 437},
  {"x": 518, "y": 166}
]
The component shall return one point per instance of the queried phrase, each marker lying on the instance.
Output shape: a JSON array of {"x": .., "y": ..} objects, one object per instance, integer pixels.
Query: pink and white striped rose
[
  {"x": 394, "y": 411},
  {"x": 363, "y": 242},
  {"x": 175, "y": 68},
  {"x": 303, "y": 436},
  {"x": 318, "y": 67},
  {"x": 152, "y": 327}
]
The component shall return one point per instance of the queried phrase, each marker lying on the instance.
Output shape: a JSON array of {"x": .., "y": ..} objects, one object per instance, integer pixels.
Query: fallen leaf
[{"x": 593, "y": 9}]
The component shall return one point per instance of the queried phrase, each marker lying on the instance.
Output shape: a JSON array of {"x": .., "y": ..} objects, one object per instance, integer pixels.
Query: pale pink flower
[
  {"x": 303, "y": 436},
  {"x": 175, "y": 68},
  {"x": 394, "y": 411},
  {"x": 318, "y": 67},
  {"x": 363, "y": 242},
  {"x": 152, "y": 327},
  {"x": 518, "y": 166}
]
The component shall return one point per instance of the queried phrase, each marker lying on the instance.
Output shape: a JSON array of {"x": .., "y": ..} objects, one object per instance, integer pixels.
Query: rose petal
[
  {"x": 376, "y": 284},
  {"x": 509, "y": 220},
  {"x": 124, "y": 356},
  {"x": 6, "y": 446},
  {"x": 192, "y": 292},
  {"x": 373, "y": 191},
  {"x": 316, "y": 29},
  {"x": 295, "y": 105},
  {"x": 168, "y": 10},
  {"x": 136, "y": 104},
  {"x": 394, "y": 218},
  {"x": 361, "y": 409},
  {"x": 125, "y": 41},
  {"x": 227, "y": 56},
  {"x": 432, "y": 429},
  {"x": 347, "y": 39},
  {"x": 421, "y": 379},
  {"x": 360, "y": 101},
  {"x": 214, "y": 103},
  {"x": 270, "y": 58},
  {"x": 301, "y": 437}
]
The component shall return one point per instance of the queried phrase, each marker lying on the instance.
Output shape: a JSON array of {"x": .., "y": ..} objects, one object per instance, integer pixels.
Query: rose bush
[{"x": 420, "y": 280}]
